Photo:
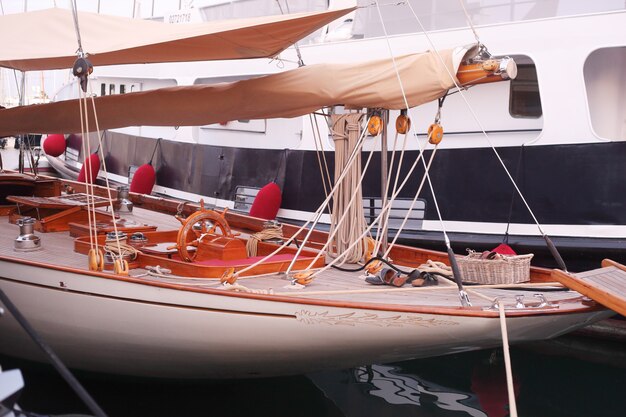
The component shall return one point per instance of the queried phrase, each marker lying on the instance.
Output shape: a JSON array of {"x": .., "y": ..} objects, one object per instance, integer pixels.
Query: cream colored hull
[{"x": 124, "y": 328}]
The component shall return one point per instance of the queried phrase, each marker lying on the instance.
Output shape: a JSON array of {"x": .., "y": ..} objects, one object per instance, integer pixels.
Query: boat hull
[{"x": 119, "y": 327}]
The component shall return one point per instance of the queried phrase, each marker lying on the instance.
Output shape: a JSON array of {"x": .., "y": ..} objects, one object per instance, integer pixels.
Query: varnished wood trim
[
  {"x": 610, "y": 262},
  {"x": 597, "y": 294}
]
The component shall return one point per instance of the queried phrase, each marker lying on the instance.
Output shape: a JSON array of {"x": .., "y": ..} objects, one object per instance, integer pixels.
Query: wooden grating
[{"x": 605, "y": 285}]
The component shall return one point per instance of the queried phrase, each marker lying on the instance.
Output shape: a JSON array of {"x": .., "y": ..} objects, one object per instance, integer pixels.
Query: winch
[
  {"x": 27, "y": 240},
  {"x": 123, "y": 204}
]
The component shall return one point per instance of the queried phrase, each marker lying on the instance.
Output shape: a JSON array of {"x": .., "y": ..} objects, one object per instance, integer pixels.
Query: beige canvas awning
[
  {"x": 292, "y": 93},
  {"x": 46, "y": 39}
]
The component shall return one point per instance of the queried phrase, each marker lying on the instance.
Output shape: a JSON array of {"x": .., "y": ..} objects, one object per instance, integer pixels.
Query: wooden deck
[{"x": 332, "y": 286}]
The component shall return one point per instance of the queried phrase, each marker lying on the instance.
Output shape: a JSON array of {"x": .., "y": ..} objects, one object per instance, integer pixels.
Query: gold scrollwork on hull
[{"x": 354, "y": 319}]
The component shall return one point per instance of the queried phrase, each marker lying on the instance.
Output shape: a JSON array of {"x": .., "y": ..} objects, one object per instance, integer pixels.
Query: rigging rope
[
  {"x": 355, "y": 153},
  {"x": 295, "y": 44},
  {"x": 378, "y": 218},
  {"x": 86, "y": 147},
  {"x": 341, "y": 220},
  {"x": 476, "y": 119},
  {"x": 79, "y": 51},
  {"x": 106, "y": 176},
  {"x": 120, "y": 250},
  {"x": 469, "y": 22},
  {"x": 507, "y": 361},
  {"x": 313, "y": 221},
  {"x": 319, "y": 148},
  {"x": 346, "y": 129},
  {"x": 82, "y": 69},
  {"x": 462, "y": 294},
  {"x": 408, "y": 213}
]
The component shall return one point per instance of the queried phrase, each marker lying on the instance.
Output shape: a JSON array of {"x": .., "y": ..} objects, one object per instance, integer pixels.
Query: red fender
[
  {"x": 93, "y": 163},
  {"x": 143, "y": 180},
  {"x": 54, "y": 145},
  {"x": 267, "y": 202}
]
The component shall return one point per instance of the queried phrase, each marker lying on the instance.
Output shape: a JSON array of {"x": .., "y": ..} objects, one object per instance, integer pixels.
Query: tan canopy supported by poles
[
  {"x": 46, "y": 39},
  {"x": 288, "y": 94}
]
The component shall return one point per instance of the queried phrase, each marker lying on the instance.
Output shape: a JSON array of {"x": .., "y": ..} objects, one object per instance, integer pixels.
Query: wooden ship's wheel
[{"x": 196, "y": 227}]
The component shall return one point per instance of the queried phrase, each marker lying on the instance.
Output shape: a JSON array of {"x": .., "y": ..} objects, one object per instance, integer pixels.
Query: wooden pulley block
[
  {"x": 120, "y": 267},
  {"x": 374, "y": 267},
  {"x": 435, "y": 133},
  {"x": 303, "y": 278},
  {"x": 403, "y": 124},
  {"x": 229, "y": 277},
  {"x": 375, "y": 125},
  {"x": 95, "y": 258}
]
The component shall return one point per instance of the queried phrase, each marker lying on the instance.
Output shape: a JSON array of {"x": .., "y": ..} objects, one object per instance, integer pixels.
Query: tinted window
[{"x": 524, "y": 100}]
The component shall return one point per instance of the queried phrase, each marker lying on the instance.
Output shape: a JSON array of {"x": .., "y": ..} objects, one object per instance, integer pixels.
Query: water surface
[{"x": 567, "y": 377}]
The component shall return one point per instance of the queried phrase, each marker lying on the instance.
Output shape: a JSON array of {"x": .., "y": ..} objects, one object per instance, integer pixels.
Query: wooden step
[{"x": 606, "y": 285}]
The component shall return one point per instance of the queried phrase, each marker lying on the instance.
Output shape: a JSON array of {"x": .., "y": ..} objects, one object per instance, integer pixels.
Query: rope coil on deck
[{"x": 271, "y": 231}]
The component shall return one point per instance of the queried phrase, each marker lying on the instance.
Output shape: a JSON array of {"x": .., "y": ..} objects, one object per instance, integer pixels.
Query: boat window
[
  {"x": 122, "y": 88},
  {"x": 111, "y": 88},
  {"x": 524, "y": 99},
  {"x": 605, "y": 83},
  {"x": 103, "y": 89}
]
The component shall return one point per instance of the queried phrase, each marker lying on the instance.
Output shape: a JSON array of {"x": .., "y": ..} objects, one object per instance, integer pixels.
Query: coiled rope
[
  {"x": 346, "y": 130},
  {"x": 273, "y": 231}
]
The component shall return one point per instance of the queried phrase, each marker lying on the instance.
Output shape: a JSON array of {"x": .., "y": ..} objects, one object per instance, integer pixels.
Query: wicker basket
[{"x": 502, "y": 270}]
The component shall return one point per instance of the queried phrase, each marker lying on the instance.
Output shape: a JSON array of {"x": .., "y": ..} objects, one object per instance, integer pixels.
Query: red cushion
[
  {"x": 267, "y": 202},
  {"x": 143, "y": 180},
  {"x": 54, "y": 145},
  {"x": 504, "y": 249},
  {"x": 93, "y": 162}
]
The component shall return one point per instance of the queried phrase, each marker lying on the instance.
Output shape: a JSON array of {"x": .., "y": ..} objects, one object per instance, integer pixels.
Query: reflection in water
[
  {"x": 373, "y": 389},
  {"x": 546, "y": 383},
  {"x": 391, "y": 385}
]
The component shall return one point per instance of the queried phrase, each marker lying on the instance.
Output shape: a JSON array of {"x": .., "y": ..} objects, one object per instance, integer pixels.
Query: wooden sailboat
[
  {"x": 167, "y": 319},
  {"x": 171, "y": 289}
]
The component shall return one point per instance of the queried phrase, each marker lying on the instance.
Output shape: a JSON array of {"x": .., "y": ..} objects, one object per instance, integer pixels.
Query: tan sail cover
[
  {"x": 46, "y": 39},
  {"x": 288, "y": 94}
]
